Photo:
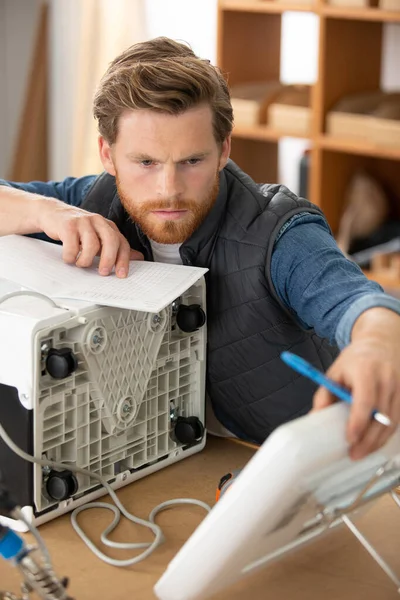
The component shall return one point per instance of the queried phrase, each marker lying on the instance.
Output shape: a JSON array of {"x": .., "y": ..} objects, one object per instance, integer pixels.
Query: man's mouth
[{"x": 170, "y": 215}]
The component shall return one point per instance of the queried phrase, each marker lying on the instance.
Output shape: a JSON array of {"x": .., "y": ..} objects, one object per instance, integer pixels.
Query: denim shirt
[{"x": 323, "y": 289}]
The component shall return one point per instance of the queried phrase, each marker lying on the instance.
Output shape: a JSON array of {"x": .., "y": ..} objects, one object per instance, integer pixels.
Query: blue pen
[{"x": 305, "y": 368}]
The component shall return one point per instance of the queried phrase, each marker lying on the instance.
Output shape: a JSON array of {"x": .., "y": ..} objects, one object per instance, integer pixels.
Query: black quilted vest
[{"x": 251, "y": 389}]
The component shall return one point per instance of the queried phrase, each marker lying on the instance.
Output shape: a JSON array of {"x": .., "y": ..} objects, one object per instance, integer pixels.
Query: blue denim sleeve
[
  {"x": 71, "y": 190},
  {"x": 316, "y": 282}
]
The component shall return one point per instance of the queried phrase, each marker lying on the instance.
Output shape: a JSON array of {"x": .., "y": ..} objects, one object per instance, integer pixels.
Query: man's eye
[
  {"x": 146, "y": 163},
  {"x": 193, "y": 161}
]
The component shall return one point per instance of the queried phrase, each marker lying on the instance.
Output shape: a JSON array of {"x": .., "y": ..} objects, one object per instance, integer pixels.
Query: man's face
[{"x": 167, "y": 170}]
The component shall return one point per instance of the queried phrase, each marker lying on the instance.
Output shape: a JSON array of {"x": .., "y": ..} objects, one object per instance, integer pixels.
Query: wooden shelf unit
[
  {"x": 360, "y": 14},
  {"x": 356, "y": 147},
  {"x": 349, "y": 61},
  {"x": 319, "y": 8},
  {"x": 264, "y": 6}
]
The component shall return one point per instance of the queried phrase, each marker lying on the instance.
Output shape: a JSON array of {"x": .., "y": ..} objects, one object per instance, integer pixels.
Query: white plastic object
[
  {"x": 114, "y": 415},
  {"x": 276, "y": 502}
]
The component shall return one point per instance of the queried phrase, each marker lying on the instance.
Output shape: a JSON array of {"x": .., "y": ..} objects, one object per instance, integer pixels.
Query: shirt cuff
[{"x": 346, "y": 323}]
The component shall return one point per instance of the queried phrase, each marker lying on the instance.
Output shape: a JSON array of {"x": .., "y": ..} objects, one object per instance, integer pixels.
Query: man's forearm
[
  {"x": 20, "y": 211},
  {"x": 362, "y": 306},
  {"x": 377, "y": 323},
  {"x": 369, "y": 368}
]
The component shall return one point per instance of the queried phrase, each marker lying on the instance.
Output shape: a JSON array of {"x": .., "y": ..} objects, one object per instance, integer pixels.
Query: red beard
[{"x": 169, "y": 231}]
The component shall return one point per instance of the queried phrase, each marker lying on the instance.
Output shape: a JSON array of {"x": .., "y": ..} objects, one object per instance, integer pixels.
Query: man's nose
[{"x": 170, "y": 183}]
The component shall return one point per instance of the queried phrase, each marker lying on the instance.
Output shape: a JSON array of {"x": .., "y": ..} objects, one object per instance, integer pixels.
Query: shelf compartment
[
  {"x": 347, "y": 67},
  {"x": 337, "y": 168},
  {"x": 259, "y": 159},
  {"x": 244, "y": 34}
]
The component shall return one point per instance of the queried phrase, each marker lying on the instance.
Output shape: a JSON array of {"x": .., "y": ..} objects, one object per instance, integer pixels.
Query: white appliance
[{"x": 115, "y": 391}]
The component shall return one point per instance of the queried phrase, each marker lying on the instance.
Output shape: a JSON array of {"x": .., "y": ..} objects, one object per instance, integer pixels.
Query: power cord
[
  {"x": 117, "y": 510},
  {"x": 29, "y": 293}
]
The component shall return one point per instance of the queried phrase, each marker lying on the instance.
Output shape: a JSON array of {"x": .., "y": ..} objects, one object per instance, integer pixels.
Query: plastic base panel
[{"x": 106, "y": 388}]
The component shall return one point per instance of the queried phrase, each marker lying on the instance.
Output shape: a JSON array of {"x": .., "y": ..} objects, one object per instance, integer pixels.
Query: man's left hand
[{"x": 370, "y": 368}]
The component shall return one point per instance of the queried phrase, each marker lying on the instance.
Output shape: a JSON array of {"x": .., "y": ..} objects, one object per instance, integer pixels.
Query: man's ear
[
  {"x": 106, "y": 156},
  {"x": 225, "y": 152}
]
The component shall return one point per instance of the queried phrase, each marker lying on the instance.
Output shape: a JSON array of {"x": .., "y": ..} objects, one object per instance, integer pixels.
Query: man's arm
[
  {"x": 19, "y": 211},
  {"x": 317, "y": 282},
  {"x": 21, "y": 204},
  {"x": 328, "y": 292},
  {"x": 53, "y": 209},
  {"x": 370, "y": 367}
]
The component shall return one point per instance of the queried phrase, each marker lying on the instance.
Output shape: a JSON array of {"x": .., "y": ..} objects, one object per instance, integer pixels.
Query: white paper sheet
[{"x": 38, "y": 265}]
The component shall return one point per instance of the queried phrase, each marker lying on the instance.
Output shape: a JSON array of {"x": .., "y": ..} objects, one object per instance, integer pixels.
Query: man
[{"x": 277, "y": 279}]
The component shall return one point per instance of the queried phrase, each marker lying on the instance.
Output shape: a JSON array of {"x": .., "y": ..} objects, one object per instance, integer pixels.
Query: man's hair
[{"x": 164, "y": 76}]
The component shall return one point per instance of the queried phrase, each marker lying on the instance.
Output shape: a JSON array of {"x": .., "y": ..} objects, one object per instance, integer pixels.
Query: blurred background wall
[
  {"x": 83, "y": 36},
  {"x": 19, "y": 21}
]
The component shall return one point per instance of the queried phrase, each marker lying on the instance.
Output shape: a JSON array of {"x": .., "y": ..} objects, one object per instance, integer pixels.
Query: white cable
[
  {"x": 151, "y": 546},
  {"x": 29, "y": 293}
]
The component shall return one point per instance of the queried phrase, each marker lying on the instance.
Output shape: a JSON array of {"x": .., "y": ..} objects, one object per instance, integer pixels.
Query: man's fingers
[
  {"x": 122, "y": 259},
  {"x": 115, "y": 250},
  {"x": 365, "y": 394},
  {"x": 110, "y": 245},
  {"x": 381, "y": 397},
  {"x": 125, "y": 254},
  {"x": 90, "y": 246},
  {"x": 135, "y": 255},
  {"x": 71, "y": 246},
  {"x": 91, "y": 235},
  {"x": 322, "y": 398},
  {"x": 375, "y": 437}
]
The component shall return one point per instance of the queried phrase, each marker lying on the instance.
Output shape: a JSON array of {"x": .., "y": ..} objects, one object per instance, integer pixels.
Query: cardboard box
[
  {"x": 385, "y": 124},
  {"x": 371, "y": 117},
  {"x": 351, "y": 116},
  {"x": 386, "y": 132},
  {"x": 251, "y": 100},
  {"x": 291, "y": 111},
  {"x": 348, "y": 125}
]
